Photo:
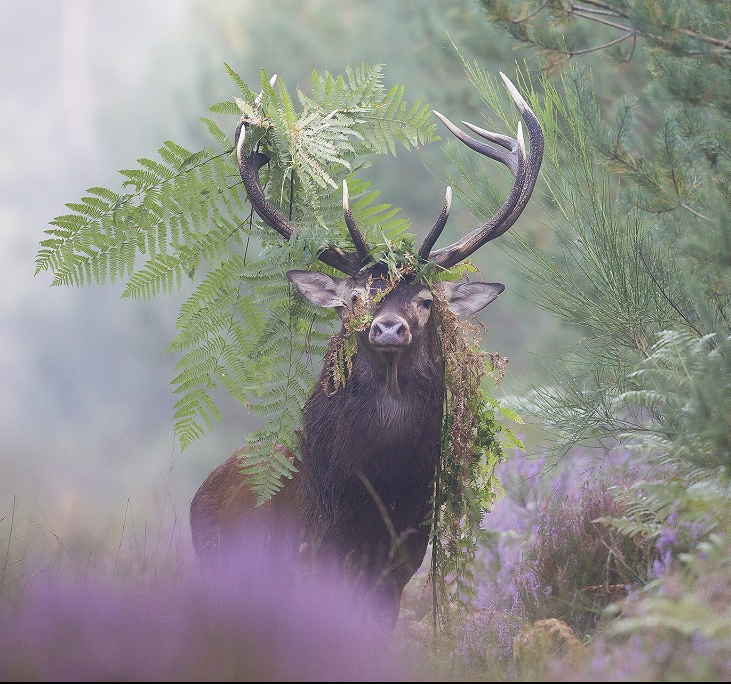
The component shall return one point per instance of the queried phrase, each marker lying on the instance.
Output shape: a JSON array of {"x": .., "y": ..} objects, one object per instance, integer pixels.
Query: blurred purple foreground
[{"x": 254, "y": 620}]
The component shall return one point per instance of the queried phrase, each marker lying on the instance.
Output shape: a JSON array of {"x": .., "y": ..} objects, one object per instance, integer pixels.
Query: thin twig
[
  {"x": 121, "y": 538},
  {"x": 694, "y": 212},
  {"x": 604, "y": 11},
  {"x": 583, "y": 51},
  {"x": 538, "y": 10},
  {"x": 381, "y": 507},
  {"x": 396, "y": 539},
  {"x": 667, "y": 298},
  {"x": 7, "y": 550}
]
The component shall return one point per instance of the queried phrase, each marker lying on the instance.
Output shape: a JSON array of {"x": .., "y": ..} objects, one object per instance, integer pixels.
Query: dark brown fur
[
  {"x": 362, "y": 498},
  {"x": 385, "y": 432}
]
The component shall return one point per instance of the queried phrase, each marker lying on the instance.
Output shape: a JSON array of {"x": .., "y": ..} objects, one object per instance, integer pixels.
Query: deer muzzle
[{"x": 390, "y": 332}]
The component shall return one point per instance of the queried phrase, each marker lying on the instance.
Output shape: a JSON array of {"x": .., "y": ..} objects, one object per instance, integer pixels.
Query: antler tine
[
  {"x": 525, "y": 170},
  {"x": 514, "y": 159},
  {"x": 358, "y": 240},
  {"x": 436, "y": 231},
  {"x": 508, "y": 157},
  {"x": 504, "y": 140},
  {"x": 249, "y": 165}
]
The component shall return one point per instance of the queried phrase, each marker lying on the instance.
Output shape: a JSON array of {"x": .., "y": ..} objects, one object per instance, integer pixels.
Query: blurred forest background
[
  {"x": 616, "y": 315},
  {"x": 87, "y": 88}
]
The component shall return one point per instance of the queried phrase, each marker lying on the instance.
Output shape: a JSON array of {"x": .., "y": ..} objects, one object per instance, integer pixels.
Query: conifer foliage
[{"x": 642, "y": 198}]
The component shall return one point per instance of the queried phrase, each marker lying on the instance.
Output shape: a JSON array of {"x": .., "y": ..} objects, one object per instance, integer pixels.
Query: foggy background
[{"x": 86, "y": 88}]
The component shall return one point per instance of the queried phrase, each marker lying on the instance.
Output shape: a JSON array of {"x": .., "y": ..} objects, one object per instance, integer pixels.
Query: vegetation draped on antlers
[{"x": 510, "y": 151}]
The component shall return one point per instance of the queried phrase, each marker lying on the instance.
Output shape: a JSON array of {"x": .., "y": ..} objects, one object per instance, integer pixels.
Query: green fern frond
[
  {"x": 167, "y": 204},
  {"x": 183, "y": 216},
  {"x": 248, "y": 94},
  {"x": 162, "y": 273}
]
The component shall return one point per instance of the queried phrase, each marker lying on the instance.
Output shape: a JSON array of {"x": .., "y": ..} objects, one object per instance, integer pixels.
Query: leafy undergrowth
[
  {"x": 618, "y": 570},
  {"x": 615, "y": 572}
]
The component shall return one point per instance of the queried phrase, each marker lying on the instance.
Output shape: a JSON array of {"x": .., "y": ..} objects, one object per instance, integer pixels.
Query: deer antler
[
  {"x": 513, "y": 155},
  {"x": 249, "y": 165},
  {"x": 525, "y": 172},
  {"x": 358, "y": 240}
]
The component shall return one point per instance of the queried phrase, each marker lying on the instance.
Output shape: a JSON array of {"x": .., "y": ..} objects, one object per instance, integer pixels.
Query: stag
[{"x": 363, "y": 494}]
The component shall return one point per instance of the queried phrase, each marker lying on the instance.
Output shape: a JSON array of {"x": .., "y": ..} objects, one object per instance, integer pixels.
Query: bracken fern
[{"x": 185, "y": 217}]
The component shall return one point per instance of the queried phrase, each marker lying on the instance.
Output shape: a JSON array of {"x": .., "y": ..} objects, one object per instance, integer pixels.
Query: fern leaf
[{"x": 183, "y": 215}]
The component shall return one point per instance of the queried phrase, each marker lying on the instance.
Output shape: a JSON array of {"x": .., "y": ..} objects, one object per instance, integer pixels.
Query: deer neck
[
  {"x": 391, "y": 384},
  {"x": 396, "y": 375}
]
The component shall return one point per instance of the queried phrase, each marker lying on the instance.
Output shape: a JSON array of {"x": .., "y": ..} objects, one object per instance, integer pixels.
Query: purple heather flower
[{"x": 245, "y": 621}]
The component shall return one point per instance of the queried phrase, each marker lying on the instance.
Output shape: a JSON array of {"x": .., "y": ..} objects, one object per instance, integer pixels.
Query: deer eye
[
  {"x": 354, "y": 297},
  {"x": 426, "y": 302}
]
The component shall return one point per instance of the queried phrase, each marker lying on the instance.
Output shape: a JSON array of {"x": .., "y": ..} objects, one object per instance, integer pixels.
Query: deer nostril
[
  {"x": 388, "y": 327},
  {"x": 389, "y": 331},
  {"x": 393, "y": 328}
]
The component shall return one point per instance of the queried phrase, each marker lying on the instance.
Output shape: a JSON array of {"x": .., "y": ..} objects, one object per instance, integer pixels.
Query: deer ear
[
  {"x": 318, "y": 288},
  {"x": 468, "y": 298}
]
